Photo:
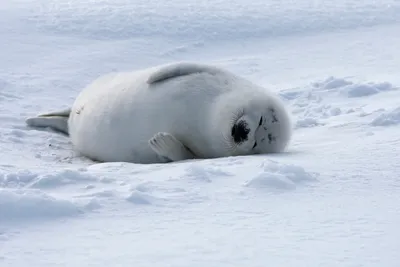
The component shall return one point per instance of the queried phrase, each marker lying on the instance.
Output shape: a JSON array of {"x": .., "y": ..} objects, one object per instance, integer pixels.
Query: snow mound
[
  {"x": 312, "y": 105},
  {"x": 205, "y": 174},
  {"x": 161, "y": 193},
  {"x": 362, "y": 90},
  {"x": 276, "y": 176},
  {"x": 307, "y": 123},
  {"x": 25, "y": 195},
  {"x": 351, "y": 89},
  {"x": 62, "y": 178},
  {"x": 56, "y": 179},
  {"x": 141, "y": 198},
  {"x": 19, "y": 205},
  {"x": 333, "y": 83},
  {"x": 18, "y": 179},
  {"x": 387, "y": 118}
]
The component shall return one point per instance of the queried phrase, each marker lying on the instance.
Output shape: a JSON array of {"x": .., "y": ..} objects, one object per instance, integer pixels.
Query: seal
[{"x": 172, "y": 112}]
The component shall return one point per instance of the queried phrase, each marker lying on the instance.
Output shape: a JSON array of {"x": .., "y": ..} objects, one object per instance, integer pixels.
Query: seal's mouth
[{"x": 259, "y": 124}]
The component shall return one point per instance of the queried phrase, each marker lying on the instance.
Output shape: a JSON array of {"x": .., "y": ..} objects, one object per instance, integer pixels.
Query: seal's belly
[{"x": 116, "y": 129}]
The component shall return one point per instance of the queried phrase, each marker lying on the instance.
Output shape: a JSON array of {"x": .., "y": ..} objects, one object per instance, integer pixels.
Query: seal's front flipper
[
  {"x": 178, "y": 69},
  {"x": 165, "y": 145}
]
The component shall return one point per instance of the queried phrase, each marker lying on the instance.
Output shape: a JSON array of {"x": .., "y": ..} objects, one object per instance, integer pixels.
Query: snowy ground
[{"x": 331, "y": 200}]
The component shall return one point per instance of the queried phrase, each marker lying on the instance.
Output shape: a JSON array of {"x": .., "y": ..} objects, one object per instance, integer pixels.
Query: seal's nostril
[
  {"x": 240, "y": 131},
  {"x": 271, "y": 138}
]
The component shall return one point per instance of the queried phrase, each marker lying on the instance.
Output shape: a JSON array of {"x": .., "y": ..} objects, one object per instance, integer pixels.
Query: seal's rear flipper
[
  {"x": 56, "y": 120},
  {"x": 60, "y": 113}
]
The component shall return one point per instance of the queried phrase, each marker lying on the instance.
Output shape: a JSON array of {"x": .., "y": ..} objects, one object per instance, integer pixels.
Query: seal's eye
[
  {"x": 259, "y": 124},
  {"x": 240, "y": 131}
]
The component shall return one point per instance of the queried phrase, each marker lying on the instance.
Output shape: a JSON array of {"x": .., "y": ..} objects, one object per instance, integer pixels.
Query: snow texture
[{"x": 330, "y": 200}]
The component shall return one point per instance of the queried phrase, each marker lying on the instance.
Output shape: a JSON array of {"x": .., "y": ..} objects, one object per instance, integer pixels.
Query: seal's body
[{"x": 172, "y": 112}]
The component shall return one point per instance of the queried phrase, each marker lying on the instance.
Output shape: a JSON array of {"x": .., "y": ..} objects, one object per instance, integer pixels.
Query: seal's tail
[{"x": 57, "y": 120}]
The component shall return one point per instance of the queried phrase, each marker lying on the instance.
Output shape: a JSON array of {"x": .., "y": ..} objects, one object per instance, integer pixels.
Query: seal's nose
[{"x": 240, "y": 131}]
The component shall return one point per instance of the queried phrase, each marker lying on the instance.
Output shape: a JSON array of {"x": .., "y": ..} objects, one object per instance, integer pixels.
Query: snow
[
  {"x": 388, "y": 118},
  {"x": 330, "y": 200},
  {"x": 29, "y": 205}
]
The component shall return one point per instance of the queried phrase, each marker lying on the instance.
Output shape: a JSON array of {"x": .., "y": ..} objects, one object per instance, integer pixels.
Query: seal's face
[{"x": 260, "y": 128}]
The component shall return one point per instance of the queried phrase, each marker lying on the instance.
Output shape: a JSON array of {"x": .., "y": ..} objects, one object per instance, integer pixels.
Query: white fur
[{"x": 117, "y": 117}]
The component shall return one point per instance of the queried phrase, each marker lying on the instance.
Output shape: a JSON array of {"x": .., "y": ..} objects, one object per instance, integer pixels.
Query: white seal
[{"x": 172, "y": 112}]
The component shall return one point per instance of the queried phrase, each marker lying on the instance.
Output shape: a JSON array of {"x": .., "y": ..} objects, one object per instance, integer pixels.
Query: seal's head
[{"x": 261, "y": 125}]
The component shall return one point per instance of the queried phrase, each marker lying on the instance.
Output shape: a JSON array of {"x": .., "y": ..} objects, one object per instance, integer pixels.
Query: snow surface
[{"x": 332, "y": 199}]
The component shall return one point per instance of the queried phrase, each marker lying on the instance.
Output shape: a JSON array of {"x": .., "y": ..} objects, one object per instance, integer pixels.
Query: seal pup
[{"x": 172, "y": 112}]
